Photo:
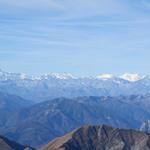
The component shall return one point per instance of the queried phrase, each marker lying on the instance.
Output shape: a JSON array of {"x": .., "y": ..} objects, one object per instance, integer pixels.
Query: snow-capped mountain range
[
  {"x": 53, "y": 85},
  {"x": 4, "y": 76}
]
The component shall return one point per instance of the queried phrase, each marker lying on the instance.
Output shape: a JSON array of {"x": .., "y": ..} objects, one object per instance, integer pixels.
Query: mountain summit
[
  {"x": 101, "y": 138},
  {"x": 131, "y": 77}
]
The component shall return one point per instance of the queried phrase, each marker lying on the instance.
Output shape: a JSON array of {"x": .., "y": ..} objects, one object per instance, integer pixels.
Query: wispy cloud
[
  {"x": 29, "y": 4},
  {"x": 90, "y": 31},
  {"x": 146, "y": 4},
  {"x": 76, "y": 8}
]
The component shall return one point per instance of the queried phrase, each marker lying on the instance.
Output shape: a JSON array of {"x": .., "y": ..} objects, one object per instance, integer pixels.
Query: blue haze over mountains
[
  {"x": 83, "y": 37},
  {"x": 39, "y": 109},
  {"x": 49, "y": 86}
]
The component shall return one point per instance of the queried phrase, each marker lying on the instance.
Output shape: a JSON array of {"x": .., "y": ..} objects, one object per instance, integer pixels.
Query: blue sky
[{"x": 83, "y": 37}]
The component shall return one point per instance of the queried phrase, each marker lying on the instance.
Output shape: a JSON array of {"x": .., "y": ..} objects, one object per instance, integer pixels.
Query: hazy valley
[{"x": 87, "y": 101}]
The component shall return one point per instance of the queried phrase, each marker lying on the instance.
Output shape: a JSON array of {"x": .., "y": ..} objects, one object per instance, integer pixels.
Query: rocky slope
[
  {"x": 101, "y": 138},
  {"x": 6, "y": 144},
  {"x": 43, "y": 122}
]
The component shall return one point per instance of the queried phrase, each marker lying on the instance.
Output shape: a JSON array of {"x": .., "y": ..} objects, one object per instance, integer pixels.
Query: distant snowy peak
[
  {"x": 145, "y": 127},
  {"x": 4, "y": 76},
  {"x": 63, "y": 76},
  {"x": 131, "y": 77},
  {"x": 127, "y": 76},
  {"x": 12, "y": 76},
  {"x": 21, "y": 76},
  {"x": 105, "y": 76}
]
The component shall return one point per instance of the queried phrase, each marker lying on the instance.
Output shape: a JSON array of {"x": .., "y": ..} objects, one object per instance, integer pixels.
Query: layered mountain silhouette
[
  {"x": 37, "y": 124},
  {"x": 10, "y": 104},
  {"x": 101, "y": 138},
  {"x": 6, "y": 144}
]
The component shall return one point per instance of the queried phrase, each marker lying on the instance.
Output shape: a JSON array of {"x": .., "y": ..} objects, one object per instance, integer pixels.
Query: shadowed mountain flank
[
  {"x": 6, "y": 144},
  {"x": 101, "y": 138}
]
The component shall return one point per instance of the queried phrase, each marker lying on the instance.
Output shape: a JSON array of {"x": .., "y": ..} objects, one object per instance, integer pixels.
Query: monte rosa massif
[
  {"x": 35, "y": 110},
  {"x": 54, "y": 85}
]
